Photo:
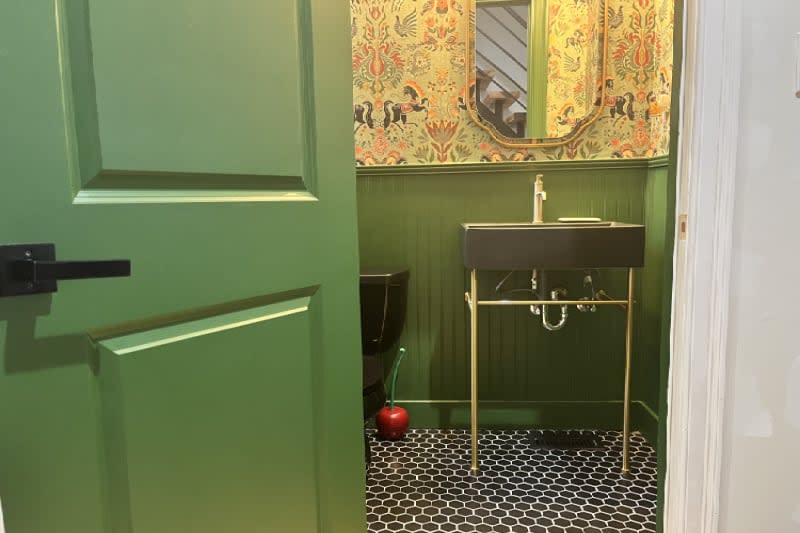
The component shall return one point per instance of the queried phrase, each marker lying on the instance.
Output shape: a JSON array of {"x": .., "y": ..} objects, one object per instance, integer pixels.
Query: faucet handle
[{"x": 538, "y": 187}]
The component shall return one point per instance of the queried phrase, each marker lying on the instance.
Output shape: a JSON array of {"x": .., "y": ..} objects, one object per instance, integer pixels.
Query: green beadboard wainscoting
[
  {"x": 410, "y": 217},
  {"x": 650, "y": 317}
]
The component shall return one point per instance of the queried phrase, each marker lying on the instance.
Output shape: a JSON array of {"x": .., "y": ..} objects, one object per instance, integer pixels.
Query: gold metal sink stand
[{"x": 474, "y": 304}]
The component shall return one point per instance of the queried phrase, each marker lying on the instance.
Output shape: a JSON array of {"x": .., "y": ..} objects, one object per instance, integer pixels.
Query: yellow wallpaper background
[{"x": 409, "y": 86}]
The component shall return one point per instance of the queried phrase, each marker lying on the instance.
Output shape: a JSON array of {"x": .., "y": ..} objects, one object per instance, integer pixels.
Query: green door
[{"x": 217, "y": 389}]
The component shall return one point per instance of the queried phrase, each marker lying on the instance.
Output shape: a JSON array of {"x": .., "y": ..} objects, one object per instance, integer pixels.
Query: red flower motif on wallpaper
[
  {"x": 641, "y": 137},
  {"x": 636, "y": 51},
  {"x": 441, "y": 133},
  {"x": 368, "y": 159},
  {"x": 441, "y": 23},
  {"x": 620, "y": 50},
  {"x": 380, "y": 144},
  {"x": 441, "y": 33},
  {"x": 442, "y": 6},
  {"x": 377, "y": 60},
  {"x": 628, "y": 150},
  {"x": 643, "y": 36},
  {"x": 571, "y": 149}
]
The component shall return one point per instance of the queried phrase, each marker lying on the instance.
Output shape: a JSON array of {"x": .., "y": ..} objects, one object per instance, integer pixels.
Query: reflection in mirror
[{"x": 538, "y": 67}]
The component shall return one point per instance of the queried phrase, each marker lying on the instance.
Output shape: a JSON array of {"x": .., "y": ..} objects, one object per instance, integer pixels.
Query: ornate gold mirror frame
[{"x": 510, "y": 142}]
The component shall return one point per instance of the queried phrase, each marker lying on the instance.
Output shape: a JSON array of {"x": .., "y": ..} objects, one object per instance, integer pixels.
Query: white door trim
[{"x": 702, "y": 264}]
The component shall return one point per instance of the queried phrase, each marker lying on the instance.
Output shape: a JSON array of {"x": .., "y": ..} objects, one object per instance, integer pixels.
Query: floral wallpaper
[
  {"x": 573, "y": 69},
  {"x": 409, "y": 86}
]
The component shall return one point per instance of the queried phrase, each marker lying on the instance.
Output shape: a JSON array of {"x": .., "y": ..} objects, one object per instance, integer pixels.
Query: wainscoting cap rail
[{"x": 511, "y": 166}]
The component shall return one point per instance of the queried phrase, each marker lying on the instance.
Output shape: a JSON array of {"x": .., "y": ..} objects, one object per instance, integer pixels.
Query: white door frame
[{"x": 702, "y": 263}]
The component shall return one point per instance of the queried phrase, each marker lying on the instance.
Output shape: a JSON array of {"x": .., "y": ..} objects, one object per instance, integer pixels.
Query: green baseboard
[
  {"x": 645, "y": 421},
  {"x": 529, "y": 415}
]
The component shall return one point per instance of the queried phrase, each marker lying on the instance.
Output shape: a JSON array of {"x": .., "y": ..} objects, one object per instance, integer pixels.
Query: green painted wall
[{"x": 410, "y": 217}]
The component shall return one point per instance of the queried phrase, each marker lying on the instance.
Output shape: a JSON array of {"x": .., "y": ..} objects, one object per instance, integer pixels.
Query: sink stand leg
[
  {"x": 626, "y": 423},
  {"x": 473, "y": 352}
]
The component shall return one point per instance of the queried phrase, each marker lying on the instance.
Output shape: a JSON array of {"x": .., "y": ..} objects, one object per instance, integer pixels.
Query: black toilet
[{"x": 384, "y": 293}]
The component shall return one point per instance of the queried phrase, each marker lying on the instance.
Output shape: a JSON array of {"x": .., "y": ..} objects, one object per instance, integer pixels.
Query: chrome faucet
[{"x": 539, "y": 196}]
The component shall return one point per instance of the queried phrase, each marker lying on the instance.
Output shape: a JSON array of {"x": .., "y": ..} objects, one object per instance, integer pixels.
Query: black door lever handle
[
  {"x": 32, "y": 268},
  {"x": 38, "y": 271}
]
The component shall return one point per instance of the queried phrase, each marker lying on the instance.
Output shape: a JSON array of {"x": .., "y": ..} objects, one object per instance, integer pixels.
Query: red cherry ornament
[{"x": 392, "y": 423}]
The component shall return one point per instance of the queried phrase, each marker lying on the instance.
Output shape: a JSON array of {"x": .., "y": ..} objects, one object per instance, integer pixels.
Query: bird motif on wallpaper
[
  {"x": 406, "y": 27},
  {"x": 353, "y": 27},
  {"x": 615, "y": 19},
  {"x": 571, "y": 64}
]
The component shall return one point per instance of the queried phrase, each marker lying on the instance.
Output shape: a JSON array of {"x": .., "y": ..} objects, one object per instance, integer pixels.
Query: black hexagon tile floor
[{"x": 423, "y": 484}]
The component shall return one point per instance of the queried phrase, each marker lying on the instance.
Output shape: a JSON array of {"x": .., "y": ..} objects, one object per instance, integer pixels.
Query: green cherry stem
[{"x": 394, "y": 377}]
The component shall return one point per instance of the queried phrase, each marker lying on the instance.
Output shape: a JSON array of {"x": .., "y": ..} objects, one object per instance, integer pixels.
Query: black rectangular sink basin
[{"x": 559, "y": 245}]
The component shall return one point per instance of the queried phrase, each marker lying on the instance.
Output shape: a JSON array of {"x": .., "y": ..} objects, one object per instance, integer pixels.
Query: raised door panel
[
  {"x": 189, "y": 87},
  {"x": 206, "y": 426}
]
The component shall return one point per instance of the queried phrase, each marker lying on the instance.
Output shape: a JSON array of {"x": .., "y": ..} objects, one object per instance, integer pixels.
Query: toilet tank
[{"x": 383, "y": 295}]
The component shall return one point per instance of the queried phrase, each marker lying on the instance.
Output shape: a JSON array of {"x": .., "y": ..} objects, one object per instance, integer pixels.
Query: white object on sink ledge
[{"x": 579, "y": 219}]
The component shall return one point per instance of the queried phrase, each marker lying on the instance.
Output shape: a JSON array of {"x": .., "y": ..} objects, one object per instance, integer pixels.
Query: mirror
[{"x": 536, "y": 68}]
